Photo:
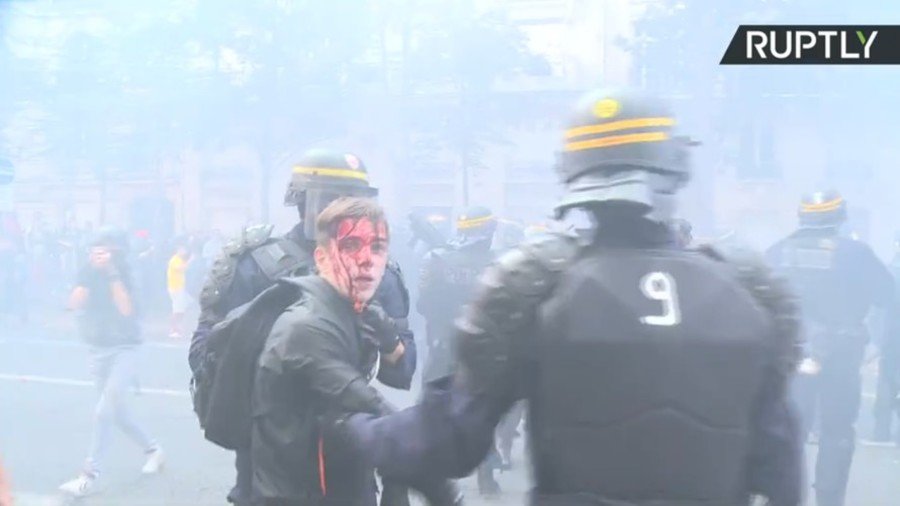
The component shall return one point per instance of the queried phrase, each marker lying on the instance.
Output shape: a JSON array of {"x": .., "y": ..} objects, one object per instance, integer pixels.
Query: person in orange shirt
[{"x": 176, "y": 282}]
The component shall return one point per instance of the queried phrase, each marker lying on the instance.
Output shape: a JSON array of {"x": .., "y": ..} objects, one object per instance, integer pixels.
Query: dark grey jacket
[{"x": 314, "y": 364}]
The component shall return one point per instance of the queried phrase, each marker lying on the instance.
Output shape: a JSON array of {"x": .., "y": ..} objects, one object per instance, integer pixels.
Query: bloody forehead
[{"x": 361, "y": 228}]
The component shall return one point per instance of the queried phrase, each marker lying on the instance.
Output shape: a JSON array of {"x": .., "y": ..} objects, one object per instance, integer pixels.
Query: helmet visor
[{"x": 316, "y": 200}]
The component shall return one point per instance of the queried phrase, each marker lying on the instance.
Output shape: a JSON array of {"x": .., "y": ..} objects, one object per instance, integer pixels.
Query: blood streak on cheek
[{"x": 345, "y": 228}]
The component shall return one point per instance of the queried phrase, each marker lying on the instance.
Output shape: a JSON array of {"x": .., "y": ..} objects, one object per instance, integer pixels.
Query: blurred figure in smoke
[
  {"x": 838, "y": 280},
  {"x": 212, "y": 247},
  {"x": 104, "y": 296},
  {"x": 13, "y": 269},
  {"x": 447, "y": 282},
  {"x": 886, "y": 401},
  {"x": 683, "y": 233},
  {"x": 509, "y": 235}
]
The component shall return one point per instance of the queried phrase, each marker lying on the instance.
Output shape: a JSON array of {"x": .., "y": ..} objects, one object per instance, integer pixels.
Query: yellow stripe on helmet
[
  {"x": 331, "y": 172},
  {"x": 473, "y": 222},
  {"x": 822, "y": 207},
  {"x": 615, "y": 126},
  {"x": 617, "y": 140}
]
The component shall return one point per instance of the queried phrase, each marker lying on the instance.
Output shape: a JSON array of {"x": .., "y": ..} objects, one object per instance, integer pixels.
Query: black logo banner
[{"x": 814, "y": 45}]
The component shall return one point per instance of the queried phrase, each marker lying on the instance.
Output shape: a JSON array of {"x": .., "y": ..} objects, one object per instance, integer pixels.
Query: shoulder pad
[
  {"x": 221, "y": 274},
  {"x": 256, "y": 235},
  {"x": 772, "y": 293}
]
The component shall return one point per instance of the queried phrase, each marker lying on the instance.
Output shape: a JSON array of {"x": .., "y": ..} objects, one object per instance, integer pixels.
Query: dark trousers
[
  {"x": 830, "y": 400},
  {"x": 241, "y": 493}
]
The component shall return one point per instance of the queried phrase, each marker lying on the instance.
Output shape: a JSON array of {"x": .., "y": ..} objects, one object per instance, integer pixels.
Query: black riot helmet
[
  {"x": 621, "y": 147},
  {"x": 476, "y": 224},
  {"x": 822, "y": 209},
  {"x": 321, "y": 176}
]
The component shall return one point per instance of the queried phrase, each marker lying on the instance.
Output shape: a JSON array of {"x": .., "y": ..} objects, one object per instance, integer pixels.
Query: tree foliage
[{"x": 119, "y": 86}]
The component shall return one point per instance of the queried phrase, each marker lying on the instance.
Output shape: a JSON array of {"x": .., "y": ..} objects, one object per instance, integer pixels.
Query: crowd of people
[{"x": 40, "y": 263}]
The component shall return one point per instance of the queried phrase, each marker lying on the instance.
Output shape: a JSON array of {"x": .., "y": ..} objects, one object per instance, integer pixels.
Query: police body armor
[
  {"x": 637, "y": 378},
  {"x": 833, "y": 307},
  {"x": 624, "y": 366}
]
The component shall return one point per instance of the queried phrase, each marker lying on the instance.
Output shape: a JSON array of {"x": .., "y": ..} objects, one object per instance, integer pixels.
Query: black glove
[{"x": 375, "y": 324}]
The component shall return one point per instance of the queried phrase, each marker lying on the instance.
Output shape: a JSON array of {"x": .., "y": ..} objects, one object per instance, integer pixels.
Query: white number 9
[{"x": 661, "y": 287}]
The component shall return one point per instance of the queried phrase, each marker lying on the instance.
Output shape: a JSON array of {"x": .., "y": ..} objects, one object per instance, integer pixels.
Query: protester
[{"x": 109, "y": 324}]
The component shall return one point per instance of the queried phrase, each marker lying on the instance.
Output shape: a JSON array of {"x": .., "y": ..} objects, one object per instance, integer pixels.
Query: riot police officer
[
  {"x": 654, "y": 374},
  {"x": 838, "y": 280},
  {"x": 446, "y": 283},
  {"x": 254, "y": 262}
]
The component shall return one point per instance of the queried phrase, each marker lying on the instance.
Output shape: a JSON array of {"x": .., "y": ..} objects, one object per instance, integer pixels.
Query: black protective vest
[
  {"x": 828, "y": 273},
  {"x": 648, "y": 363},
  {"x": 461, "y": 270},
  {"x": 458, "y": 271}
]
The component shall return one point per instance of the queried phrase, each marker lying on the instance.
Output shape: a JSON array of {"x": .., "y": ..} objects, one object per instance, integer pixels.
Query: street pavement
[{"x": 46, "y": 403}]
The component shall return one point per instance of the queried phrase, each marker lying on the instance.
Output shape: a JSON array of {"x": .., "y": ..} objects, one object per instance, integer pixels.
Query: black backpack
[{"x": 222, "y": 384}]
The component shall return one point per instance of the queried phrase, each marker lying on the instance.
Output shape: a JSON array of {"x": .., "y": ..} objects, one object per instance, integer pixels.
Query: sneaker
[
  {"x": 80, "y": 486},
  {"x": 155, "y": 460}
]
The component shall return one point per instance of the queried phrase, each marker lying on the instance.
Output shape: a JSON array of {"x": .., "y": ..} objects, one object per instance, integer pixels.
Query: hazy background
[{"x": 183, "y": 115}]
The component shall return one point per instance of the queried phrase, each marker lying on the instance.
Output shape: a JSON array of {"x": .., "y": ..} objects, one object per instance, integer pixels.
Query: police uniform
[
  {"x": 447, "y": 280},
  {"x": 654, "y": 375},
  {"x": 838, "y": 280},
  {"x": 254, "y": 261}
]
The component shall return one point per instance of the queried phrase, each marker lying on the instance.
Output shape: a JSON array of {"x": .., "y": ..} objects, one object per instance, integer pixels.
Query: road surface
[{"x": 46, "y": 402}]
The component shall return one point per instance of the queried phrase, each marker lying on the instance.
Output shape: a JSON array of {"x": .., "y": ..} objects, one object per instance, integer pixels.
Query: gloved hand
[{"x": 375, "y": 324}]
